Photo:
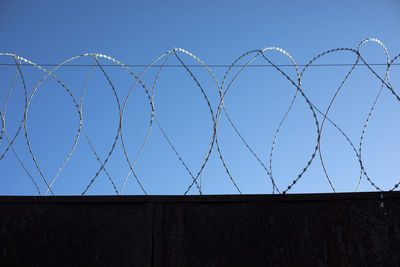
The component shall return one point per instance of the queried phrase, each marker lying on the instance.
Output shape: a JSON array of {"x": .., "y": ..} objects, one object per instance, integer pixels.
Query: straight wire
[{"x": 201, "y": 66}]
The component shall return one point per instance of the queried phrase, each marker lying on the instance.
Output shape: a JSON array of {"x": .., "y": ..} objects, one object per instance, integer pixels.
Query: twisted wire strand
[
  {"x": 299, "y": 88},
  {"x": 215, "y": 120},
  {"x": 48, "y": 73},
  {"x": 363, "y": 171},
  {"x": 137, "y": 80},
  {"x": 286, "y": 113},
  {"x": 86, "y": 134},
  {"x": 260, "y": 52},
  {"x": 222, "y": 95},
  {"x": 325, "y": 115},
  {"x": 210, "y": 147},
  {"x": 375, "y": 100},
  {"x": 154, "y": 114},
  {"x": 163, "y": 132},
  {"x": 10, "y": 143},
  {"x": 118, "y": 131},
  {"x": 388, "y": 85}
]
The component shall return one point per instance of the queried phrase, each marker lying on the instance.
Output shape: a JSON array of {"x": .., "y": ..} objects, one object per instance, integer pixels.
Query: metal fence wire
[{"x": 320, "y": 117}]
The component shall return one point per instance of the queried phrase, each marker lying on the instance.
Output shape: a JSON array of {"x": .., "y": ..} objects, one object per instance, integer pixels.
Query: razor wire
[{"x": 215, "y": 113}]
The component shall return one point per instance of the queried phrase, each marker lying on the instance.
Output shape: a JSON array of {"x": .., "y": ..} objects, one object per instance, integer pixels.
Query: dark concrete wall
[{"x": 251, "y": 230}]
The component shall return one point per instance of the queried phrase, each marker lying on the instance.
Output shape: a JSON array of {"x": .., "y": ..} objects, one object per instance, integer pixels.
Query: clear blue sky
[{"x": 137, "y": 32}]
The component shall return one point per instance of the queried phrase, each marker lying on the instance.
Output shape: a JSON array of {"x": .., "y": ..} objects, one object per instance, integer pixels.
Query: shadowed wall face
[{"x": 301, "y": 230}]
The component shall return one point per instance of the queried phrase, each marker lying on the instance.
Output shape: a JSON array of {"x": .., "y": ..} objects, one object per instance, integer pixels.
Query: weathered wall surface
[{"x": 252, "y": 230}]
